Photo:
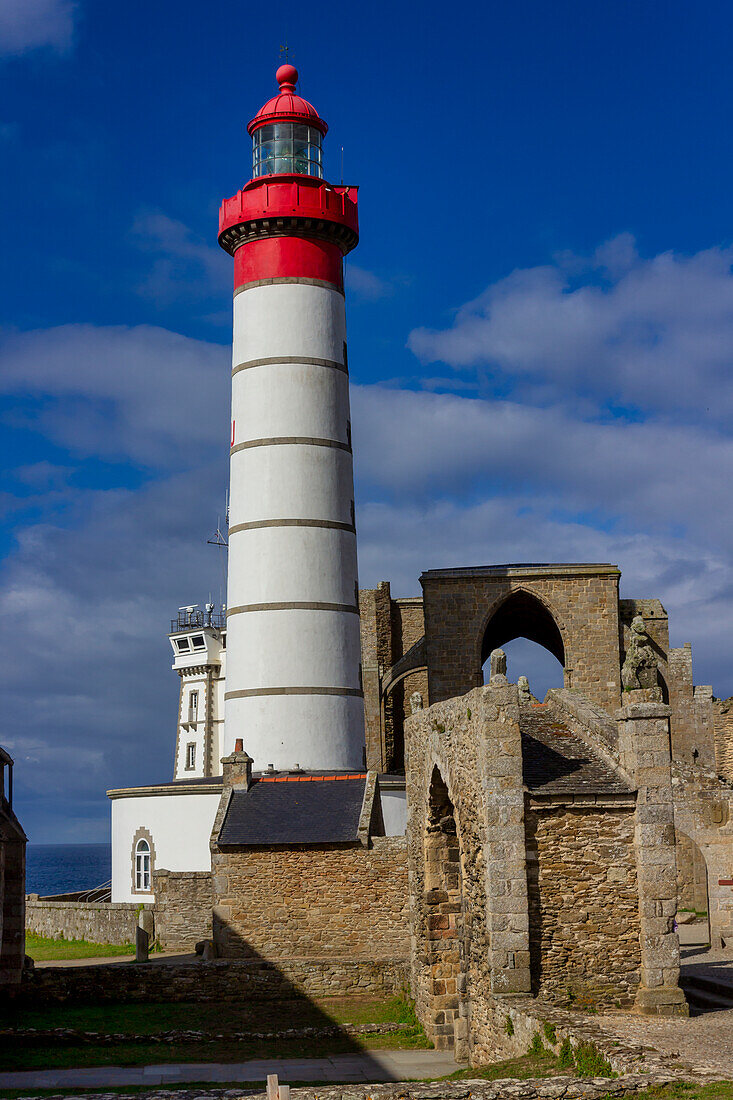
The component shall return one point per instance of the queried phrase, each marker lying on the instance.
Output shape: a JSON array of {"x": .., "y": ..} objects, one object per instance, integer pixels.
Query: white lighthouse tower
[{"x": 293, "y": 691}]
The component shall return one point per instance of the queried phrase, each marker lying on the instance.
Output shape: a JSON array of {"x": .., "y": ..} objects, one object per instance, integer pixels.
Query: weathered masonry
[
  {"x": 12, "y": 880},
  {"x": 540, "y": 860},
  {"x": 437, "y": 645}
]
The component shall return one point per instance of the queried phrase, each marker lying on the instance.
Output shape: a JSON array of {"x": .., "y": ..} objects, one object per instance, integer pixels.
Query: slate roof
[
  {"x": 304, "y": 809},
  {"x": 555, "y": 761}
]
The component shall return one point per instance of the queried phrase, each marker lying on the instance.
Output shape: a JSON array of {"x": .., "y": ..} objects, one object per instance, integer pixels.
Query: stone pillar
[
  {"x": 500, "y": 772},
  {"x": 644, "y": 748}
]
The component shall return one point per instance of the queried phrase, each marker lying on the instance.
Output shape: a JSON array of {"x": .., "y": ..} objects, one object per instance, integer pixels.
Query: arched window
[{"x": 142, "y": 865}]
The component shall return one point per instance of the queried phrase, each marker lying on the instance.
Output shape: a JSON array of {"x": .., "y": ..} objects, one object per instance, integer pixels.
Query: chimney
[{"x": 237, "y": 768}]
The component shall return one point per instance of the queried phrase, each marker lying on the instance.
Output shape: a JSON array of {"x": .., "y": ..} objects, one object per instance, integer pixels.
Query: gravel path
[{"x": 704, "y": 1042}]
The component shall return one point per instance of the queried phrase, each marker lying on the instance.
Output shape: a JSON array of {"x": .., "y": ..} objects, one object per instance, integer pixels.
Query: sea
[{"x": 63, "y": 868}]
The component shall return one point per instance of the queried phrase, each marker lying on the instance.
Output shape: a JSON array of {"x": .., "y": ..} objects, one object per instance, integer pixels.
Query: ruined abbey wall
[
  {"x": 723, "y": 725},
  {"x": 582, "y": 601},
  {"x": 515, "y": 893},
  {"x": 583, "y": 903}
]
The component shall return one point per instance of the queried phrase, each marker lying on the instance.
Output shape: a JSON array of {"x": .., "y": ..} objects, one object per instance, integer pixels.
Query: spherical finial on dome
[{"x": 287, "y": 77}]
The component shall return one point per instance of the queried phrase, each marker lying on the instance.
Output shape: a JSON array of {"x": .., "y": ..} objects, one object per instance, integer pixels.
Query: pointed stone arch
[
  {"x": 521, "y": 613},
  {"x": 575, "y": 616}
]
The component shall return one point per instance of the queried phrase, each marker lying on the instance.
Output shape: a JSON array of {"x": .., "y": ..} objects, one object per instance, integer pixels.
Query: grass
[
  {"x": 150, "y": 1019},
  {"x": 520, "y": 1068},
  {"x": 43, "y": 949},
  {"x": 67, "y": 1056}
]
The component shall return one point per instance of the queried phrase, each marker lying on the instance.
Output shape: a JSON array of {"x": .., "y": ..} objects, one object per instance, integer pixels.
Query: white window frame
[
  {"x": 143, "y": 866},
  {"x": 190, "y": 756}
]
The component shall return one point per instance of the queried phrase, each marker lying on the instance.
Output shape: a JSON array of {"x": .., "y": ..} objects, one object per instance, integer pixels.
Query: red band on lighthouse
[{"x": 288, "y": 258}]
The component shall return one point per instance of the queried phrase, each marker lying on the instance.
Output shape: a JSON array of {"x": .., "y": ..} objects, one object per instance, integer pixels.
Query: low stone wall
[
  {"x": 511, "y": 1023},
  {"x": 537, "y": 1088},
  {"x": 222, "y": 980},
  {"x": 182, "y": 908},
  {"x": 97, "y": 922}
]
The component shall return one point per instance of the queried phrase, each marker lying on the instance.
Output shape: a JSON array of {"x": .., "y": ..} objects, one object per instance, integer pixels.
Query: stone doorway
[{"x": 446, "y": 925}]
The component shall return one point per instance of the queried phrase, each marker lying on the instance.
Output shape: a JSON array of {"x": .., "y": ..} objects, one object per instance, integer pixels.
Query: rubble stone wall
[
  {"x": 333, "y": 902},
  {"x": 183, "y": 902},
  {"x": 583, "y": 903},
  {"x": 96, "y": 922},
  {"x": 221, "y": 981},
  {"x": 376, "y": 658}
]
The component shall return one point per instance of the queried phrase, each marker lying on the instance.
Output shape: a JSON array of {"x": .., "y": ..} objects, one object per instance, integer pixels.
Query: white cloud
[
  {"x": 365, "y": 284},
  {"x": 143, "y": 393},
  {"x": 27, "y": 25},
  {"x": 652, "y": 333},
  {"x": 186, "y": 266}
]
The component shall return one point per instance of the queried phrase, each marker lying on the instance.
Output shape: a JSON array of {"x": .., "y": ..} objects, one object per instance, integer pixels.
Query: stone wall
[
  {"x": 334, "y": 902},
  {"x": 703, "y": 812},
  {"x": 469, "y": 913},
  {"x": 12, "y": 891},
  {"x": 96, "y": 922},
  {"x": 583, "y": 903},
  {"x": 376, "y": 659},
  {"x": 580, "y": 600},
  {"x": 220, "y": 981},
  {"x": 691, "y": 721},
  {"x": 183, "y": 902},
  {"x": 723, "y": 725},
  {"x": 692, "y": 878},
  {"x": 389, "y": 628},
  {"x": 408, "y": 627}
]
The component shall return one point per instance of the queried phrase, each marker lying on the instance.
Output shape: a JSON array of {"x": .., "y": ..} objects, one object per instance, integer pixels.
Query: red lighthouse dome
[{"x": 286, "y": 106}]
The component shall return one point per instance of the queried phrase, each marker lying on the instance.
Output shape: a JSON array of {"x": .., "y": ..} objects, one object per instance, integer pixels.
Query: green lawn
[
  {"x": 42, "y": 949},
  {"x": 15, "y": 1056},
  {"x": 148, "y": 1019}
]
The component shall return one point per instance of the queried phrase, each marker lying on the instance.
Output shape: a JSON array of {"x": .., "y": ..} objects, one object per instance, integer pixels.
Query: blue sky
[{"x": 540, "y": 325}]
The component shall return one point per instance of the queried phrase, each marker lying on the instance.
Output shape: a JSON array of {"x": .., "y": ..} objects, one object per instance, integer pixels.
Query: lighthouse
[{"x": 293, "y": 691}]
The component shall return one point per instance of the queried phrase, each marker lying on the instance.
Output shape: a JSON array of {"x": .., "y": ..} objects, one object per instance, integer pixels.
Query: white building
[{"x": 169, "y": 824}]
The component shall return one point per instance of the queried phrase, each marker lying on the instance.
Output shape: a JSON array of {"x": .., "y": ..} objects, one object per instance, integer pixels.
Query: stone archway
[
  {"x": 572, "y": 610},
  {"x": 521, "y": 614},
  {"x": 448, "y": 948}
]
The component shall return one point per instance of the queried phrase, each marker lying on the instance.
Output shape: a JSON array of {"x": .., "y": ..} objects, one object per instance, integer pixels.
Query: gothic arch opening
[
  {"x": 446, "y": 931},
  {"x": 525, "y": 629}
]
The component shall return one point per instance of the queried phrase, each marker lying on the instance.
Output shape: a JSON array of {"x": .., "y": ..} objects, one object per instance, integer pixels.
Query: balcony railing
[{"x": 190, "y": 620}]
